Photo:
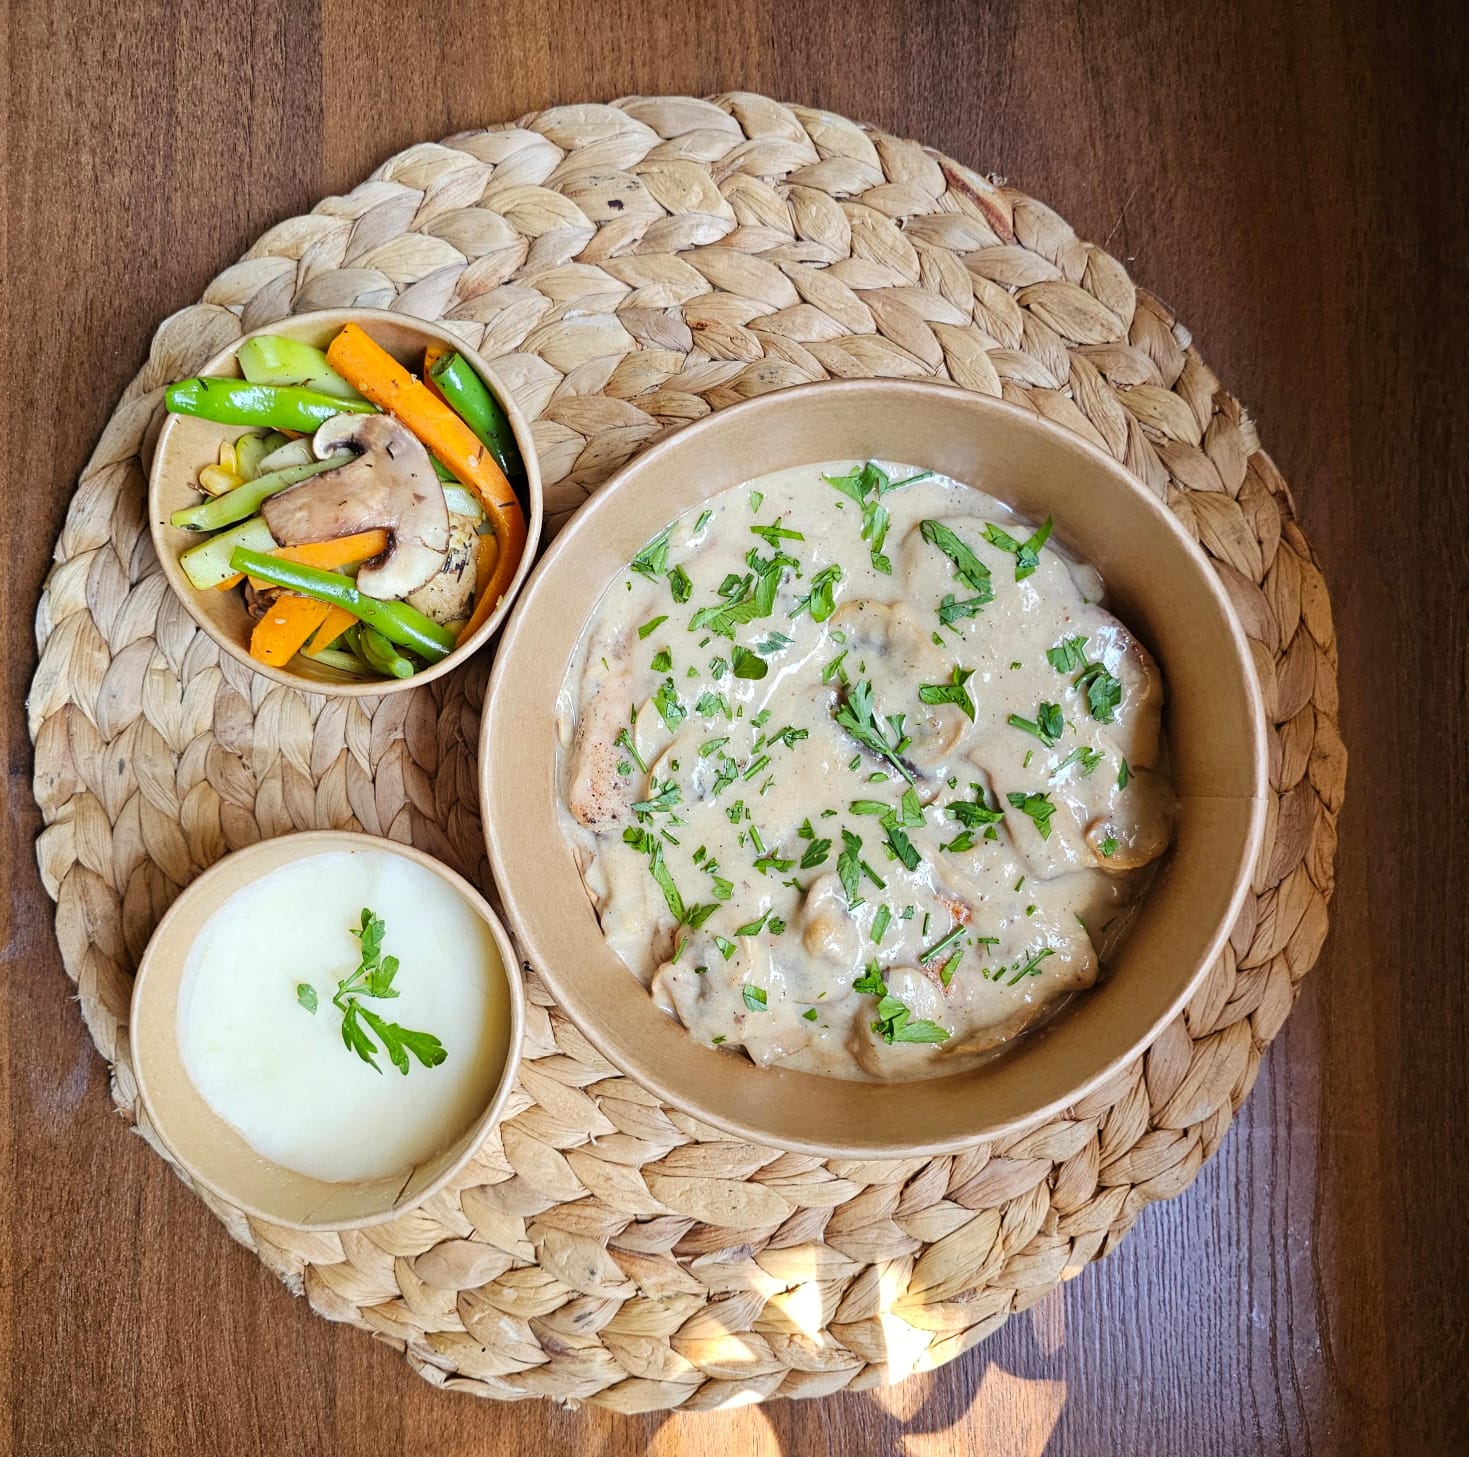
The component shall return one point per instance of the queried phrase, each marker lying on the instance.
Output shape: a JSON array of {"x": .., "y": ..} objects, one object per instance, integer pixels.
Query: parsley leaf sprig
[
  {"x": 1027, "y": 553},
  {"x": 953, "y": 692},
  {"x": 374, "y": 978},
  {"x": 894, "y": 1020},
  {"x": 1047, "y": 725},
  {"x": 859, "y": 719},
  {"x": 1036, "y": 807},
  {"x": 866, "y": 485}
]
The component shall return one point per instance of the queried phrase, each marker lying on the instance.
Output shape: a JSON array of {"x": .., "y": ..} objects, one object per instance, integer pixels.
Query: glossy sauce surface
[{"x": 843, "y": 765}]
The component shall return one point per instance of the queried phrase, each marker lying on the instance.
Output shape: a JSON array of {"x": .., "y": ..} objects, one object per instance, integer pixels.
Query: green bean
[
  {"x": 469, "y": 397},
  {"x": 247, "y": 499},
  {"x": 397, "y": 621},
  {"x": 379, "y": 653},
  {"x": 278, "y": 407}
]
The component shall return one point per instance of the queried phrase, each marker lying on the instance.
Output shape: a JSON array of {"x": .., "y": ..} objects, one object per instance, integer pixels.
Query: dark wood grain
[{"x": 1291, "y": 178}]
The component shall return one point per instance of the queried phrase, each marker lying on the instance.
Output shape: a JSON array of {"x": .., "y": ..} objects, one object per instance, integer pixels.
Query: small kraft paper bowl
[
  {"x": 187, "y": 444},
  {"x": 208, "y": 1149},
  {"x": 1158, "y": 583}
]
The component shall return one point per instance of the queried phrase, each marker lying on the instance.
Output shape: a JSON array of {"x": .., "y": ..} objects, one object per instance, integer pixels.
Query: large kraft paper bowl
[
  {"x": 1159, "y": 584},
  {"x": 209, "y": 1150},
  {"x": 187, "y": 444}
]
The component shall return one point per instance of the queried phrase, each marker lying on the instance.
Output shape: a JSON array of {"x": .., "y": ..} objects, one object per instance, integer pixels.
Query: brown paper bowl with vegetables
[
  {"x": 208, "y": 1149},
  {"x": 1159, "y": 584},
  {"x": 186, "y": 444}
]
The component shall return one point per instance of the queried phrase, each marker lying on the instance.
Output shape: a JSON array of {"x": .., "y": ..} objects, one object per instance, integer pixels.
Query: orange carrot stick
[
  {"x": 378, "y": 377},
  {"x": 487, "y": 560},
  {"x": 334, "y": 624},
  {"x": 342, "y": 551},
  {"x": 431, "y": 356},
  {"x": 287, "y": 623}
]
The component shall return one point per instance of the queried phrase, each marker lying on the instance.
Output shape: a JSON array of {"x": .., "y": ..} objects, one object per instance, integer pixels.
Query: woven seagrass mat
[{"x": 630, "y": 268}]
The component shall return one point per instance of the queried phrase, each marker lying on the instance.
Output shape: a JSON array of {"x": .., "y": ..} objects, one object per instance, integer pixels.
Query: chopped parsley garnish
[
  {"x": 809, "y": 1014},
  {"x": 834, "y": 669},
  {"x": 713, "y": 746},
  {"x": 711, "y": 703},
  {"x": 1047, "y": 725},
  {"x": 777, "y": 642},
  {"x": 774, "y": 535},
  {"x": 1027, "y": 553},
  {"x": 624, "y": 741},
  {"x": 929, "y": 953},
  {"x": 667, "y": 797},
  {"x": 1123, "y": 775},
  {"x": 820, "y": 601},
  {"x": 649, "y": 844},
  {"x": 973, "y": 814},
  {"x": 1020, "y": 969},
  {"x": 670, "y": 710},
  {"x": 849, "y": 867},
  {"x": 1036, "y": 807},
  {"x": 880, "y": 923},
  {"x": 952, "y": 610},
  {"x": 755, "y": 998},
  {"x": 753, "y": 928},
  {"x": 651, "y": 626},
  {"x": 662, "y": 661},
  {"x": 1103, "y": 691},
  {"x": 953, "y": 692},
  {"x": 727, "y": 948},
  {"x": 1109, "y": 847},
  {"x": 680, "y": 585},
  {"x": 1068, "y": 655},
  {"x": 749, "y": 665},
  {"x": 374, "y": 978},
  {"x": 702, "y": 522},
  {"x": 859, "y": 719},
  {"x": 964, "y": 840},
  {"x": 1088, "y": 759},
  {"x": 967, "y": 568},
  {"x": 866, "y": 485},
  {"x": 894, "y": 1021},
  {"x": 652, "y": 561},
  {"x": 816, "y": 854},
  {"x": 756, "y": 497}
]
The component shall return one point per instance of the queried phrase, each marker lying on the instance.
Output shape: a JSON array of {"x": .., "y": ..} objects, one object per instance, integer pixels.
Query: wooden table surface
[{"x": 1291, "y": 178}]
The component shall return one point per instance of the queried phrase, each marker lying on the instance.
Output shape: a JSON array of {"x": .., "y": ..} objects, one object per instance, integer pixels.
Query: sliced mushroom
[
  {"x": 390, "y": 484},
  {"x": 448, "y": 596}
]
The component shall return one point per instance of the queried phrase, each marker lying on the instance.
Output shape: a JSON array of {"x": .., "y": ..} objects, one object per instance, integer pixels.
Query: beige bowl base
[{"x": 601, "y": 1246}]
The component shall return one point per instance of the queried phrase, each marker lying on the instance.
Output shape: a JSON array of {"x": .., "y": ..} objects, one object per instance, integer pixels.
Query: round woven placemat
[{"x": 630, "y": 268}]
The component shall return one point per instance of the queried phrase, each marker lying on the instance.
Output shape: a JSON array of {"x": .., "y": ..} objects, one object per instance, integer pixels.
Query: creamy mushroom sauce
[{"x": 829, "y": 864}]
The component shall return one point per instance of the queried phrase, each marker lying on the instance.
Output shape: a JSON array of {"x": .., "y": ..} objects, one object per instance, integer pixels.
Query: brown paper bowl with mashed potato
[{"x": 1158, "y": 583}]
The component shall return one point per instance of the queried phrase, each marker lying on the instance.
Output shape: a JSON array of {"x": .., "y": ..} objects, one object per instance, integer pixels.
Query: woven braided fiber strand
[{"x": 630, "y": 268}]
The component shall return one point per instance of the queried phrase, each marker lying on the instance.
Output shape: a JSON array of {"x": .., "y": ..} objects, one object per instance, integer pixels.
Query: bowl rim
[
  {"x": 306, "y": 843},
  {"x": 186, "y": 592},
  {"x": 647, "y": 1075}
]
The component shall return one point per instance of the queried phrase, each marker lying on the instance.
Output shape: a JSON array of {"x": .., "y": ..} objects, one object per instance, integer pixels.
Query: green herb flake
[
  {"x": 1048, "y": 725},
  {"x": 1103, "y": 692},
  {"x": 651, "y": 626},
  {"x": 670, "y": 710},
  {"x": 1068, "y": 655},
  {"x": 1037, "y": 808},
  {"x": 306, "y": 996},
  {"x": 374, "y": 978},
  {"x": 816, "y": 854},
  {"x": 809, "y": 1014},
  {"x": 652, "y": 560},
  {"x": 880, "y": 924},
  {"x": 756, "y": 500},
  {"x": 748, "y": 665},
  {"x": 1123, "y": 775},
  {"x": 755, "y": 998},
  {"x": 1109, "y": 847},
  {"x": 680, "y": 585},
  {"x": 953, "y": 692},
  {"x": 967, "y": 568},
  {"x": 702, "y": 522},
  {"x": 662, "y": 661}
]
